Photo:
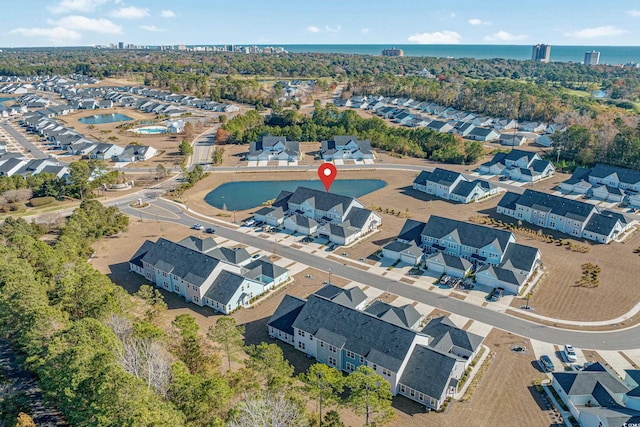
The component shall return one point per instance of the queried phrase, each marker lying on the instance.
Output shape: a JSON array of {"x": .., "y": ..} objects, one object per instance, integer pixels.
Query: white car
[
  {"x": 570, "y": 353},
  {"x": 249, "y": 222}
]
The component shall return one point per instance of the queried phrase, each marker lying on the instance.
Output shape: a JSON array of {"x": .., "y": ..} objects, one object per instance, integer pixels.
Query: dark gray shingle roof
[
  {"x": 406, "y": 316},
  {"x": 224, "y": 287},
  {"x": 428, "y": 371}
]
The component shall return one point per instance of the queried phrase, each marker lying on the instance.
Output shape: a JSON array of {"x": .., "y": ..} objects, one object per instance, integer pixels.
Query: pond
[
  {"x": 101, "y": 119},
  {"x": 5, "y": 101},
  {"x": 242, "y": 195}
]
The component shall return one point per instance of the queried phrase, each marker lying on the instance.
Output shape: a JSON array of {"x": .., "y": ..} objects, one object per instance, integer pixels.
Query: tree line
[
  {"x": 326, "y": 122},
  {"x": 104, "y": 358}
]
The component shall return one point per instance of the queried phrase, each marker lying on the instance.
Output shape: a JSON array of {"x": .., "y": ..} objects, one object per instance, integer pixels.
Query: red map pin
[{"x": 327, "y": 173}]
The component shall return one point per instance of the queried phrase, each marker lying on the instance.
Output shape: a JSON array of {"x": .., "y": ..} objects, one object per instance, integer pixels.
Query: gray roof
[
  {"x": 303, "y": 221},
  {"x": 263, "y": 267},
  {"x": 136, "y": 259},
  {"x": 506, "y": 275},
  {"x": 428, "y": 371},
  {"x": 410, "y": 248},
  {"x": 509, "y": 200},
  {"x": 411, "y": 231},
  {"x": 557, "y": 205},
  {"x": 224, "y": 287},
  {"x": 451, "y": 261},
  {"x": 198, "y": 244},
  {"x": 286, "y": 313},
  {"x": 192, "y": 266},
  {"x": 406, "y": 316},
  {"x": 582, "y": 383},
  {"x": 515, "y": 155},
  {"x": 446, "y": 335},
  {"x": 439, "y": 176},
  {"x": 481, "y": 132},
  {"x": 231, "y": 255},
  {"x": 351, "y": 297},
  {"x": 628, "y": 176},
  {"x": 342, "y": 140},
  {"x": 465, "y": 188},
  {"x": 381, "y": 342},
  {"x": 519, "y": 257},
  {"x": 466, "y": 233},
  {"x": 357, "y": 217},
  {"x": 601, "y": 224},
  {"x": 320, "y": 200}
]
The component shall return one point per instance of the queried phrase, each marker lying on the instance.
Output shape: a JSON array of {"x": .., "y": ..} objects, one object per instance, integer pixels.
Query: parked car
[
  {"x": 197, "y": 227},
  {"x": 546, "y": 364},
  {"x": 210, "y": 230},
  {"x": 249, "y": 222},
  {"x": 570, "y": 353},
  {"x": 496, "y": 294},
  {"x": 256, "y": 256}
]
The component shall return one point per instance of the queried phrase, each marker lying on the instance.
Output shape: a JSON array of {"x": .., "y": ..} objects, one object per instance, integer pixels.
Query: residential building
[
  {"x": 190, "y": 269},
  {"x": 454, "y": 247},
  {"x": 573, "y": 217},
  {"x": 274, "y": 148},
  {"x": 341, "y": 219},
  {"x": 519, "y": 165},
  {"x": 346, "y": 147},
  {"x": 541, "y": 53},
  {"x": 482, "y": 134},
  {"x": 604, "y": 182},
  {"x": 454, "y": 186},
  {"x": 423, "y": 368},
  {"x": 392, "y": 52},
  {"x": 512, "y": 140},
  {"x": 591, "y": 57},
  {"x": 596, "y": 396}
]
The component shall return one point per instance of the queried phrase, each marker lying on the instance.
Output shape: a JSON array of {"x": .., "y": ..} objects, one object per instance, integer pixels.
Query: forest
[
  {"x": 106, "y": 358},
  {"x": 326, "y": 122}
]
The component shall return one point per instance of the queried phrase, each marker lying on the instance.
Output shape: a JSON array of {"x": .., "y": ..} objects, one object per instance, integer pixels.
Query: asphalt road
[
  {"x": 612, "y": 340},
  {"x": 28, "y": 145}
]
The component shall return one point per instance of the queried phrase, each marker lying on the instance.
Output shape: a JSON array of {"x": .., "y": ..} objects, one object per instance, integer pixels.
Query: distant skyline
[{"x": 161, "y": 22}]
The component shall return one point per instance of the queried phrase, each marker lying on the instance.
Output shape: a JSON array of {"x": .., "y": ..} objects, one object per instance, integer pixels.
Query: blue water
[
  {"x": 101, "y": 119},
  {"x": 242, "y": 195},
  {"x": 3, "y": 101},
  {"x": 608, "y": 54}
]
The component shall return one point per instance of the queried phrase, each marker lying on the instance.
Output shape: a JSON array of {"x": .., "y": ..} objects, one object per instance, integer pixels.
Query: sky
[{"x": 278, "y": 22}]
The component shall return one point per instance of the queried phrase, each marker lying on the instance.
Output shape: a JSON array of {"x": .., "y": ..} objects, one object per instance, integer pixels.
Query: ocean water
[{"x": 608, "y": 54}]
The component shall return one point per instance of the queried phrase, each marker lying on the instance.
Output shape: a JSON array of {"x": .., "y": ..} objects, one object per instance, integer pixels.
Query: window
[
  {"x": 552, "y": 224},
  {"x": 374, "y": 367},
  {"x": 412, "y": 393},
  {"x": 332, "y": 361},
  {"x": 420, "y": 396},
  {"x": 300, "y": 345},
  {"x": 350, "y": 355},
  {"x": 195, "y": 299},
  {"x": 402, "y": 388},
  {"x": 386, "y": 372},
  {"x": 350, "y": 367},
  {"x": 301, "y": 333},
  {"x": 332, "y": 349},
  {"x": 361, "y": 359},
  {"x": 310, "y": 337},
  {"x": 322, "y": 344}
]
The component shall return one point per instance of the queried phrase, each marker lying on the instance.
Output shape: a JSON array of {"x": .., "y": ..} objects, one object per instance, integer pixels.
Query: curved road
[{"x": 612, "y": 340}]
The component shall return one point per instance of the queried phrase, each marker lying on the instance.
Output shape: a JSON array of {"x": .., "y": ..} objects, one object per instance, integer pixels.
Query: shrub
[{"x": 41, "y": 201}]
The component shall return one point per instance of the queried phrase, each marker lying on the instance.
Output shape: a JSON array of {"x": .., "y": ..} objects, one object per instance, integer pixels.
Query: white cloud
[
  {"x": 590, "y": 33},
  {"x": 438, "y": 37},
  {"x": 313, "y": 29},
  {"x": 365, "y": 31},
  {"x": 130, "y": 12},
  {"x": 504, "y": 36},
  {"x": 66, "y": 6},
  {"x": 335, "y": 29},
  {"x": 82, "y": 23},
  {"x": 633, "y": 12},
  {"x": 168, "y": 14},
  {"x": 476, "y": 21},
  {"x": 152, "y": 28},
  {"x": 58, "y": 35}
]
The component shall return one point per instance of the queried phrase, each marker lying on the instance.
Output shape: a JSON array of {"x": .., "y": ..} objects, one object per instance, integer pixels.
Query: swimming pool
[{"x": 151, "y": 130}]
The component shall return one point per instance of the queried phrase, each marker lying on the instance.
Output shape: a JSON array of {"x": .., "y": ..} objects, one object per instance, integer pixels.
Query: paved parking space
[
  {"x": 540, "y": 348},
  {"x": 252, "y": 163},
  {"x": 283, "y": 163},
  {"x": 616, "y": 361},
  {"x": 338, "y": 162},
  {"x": 263, "y": 163},
  {"x": 633, "y": 355},
  {"x": 480, "y": 328},
  {"x": 368, "y": 161}
]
